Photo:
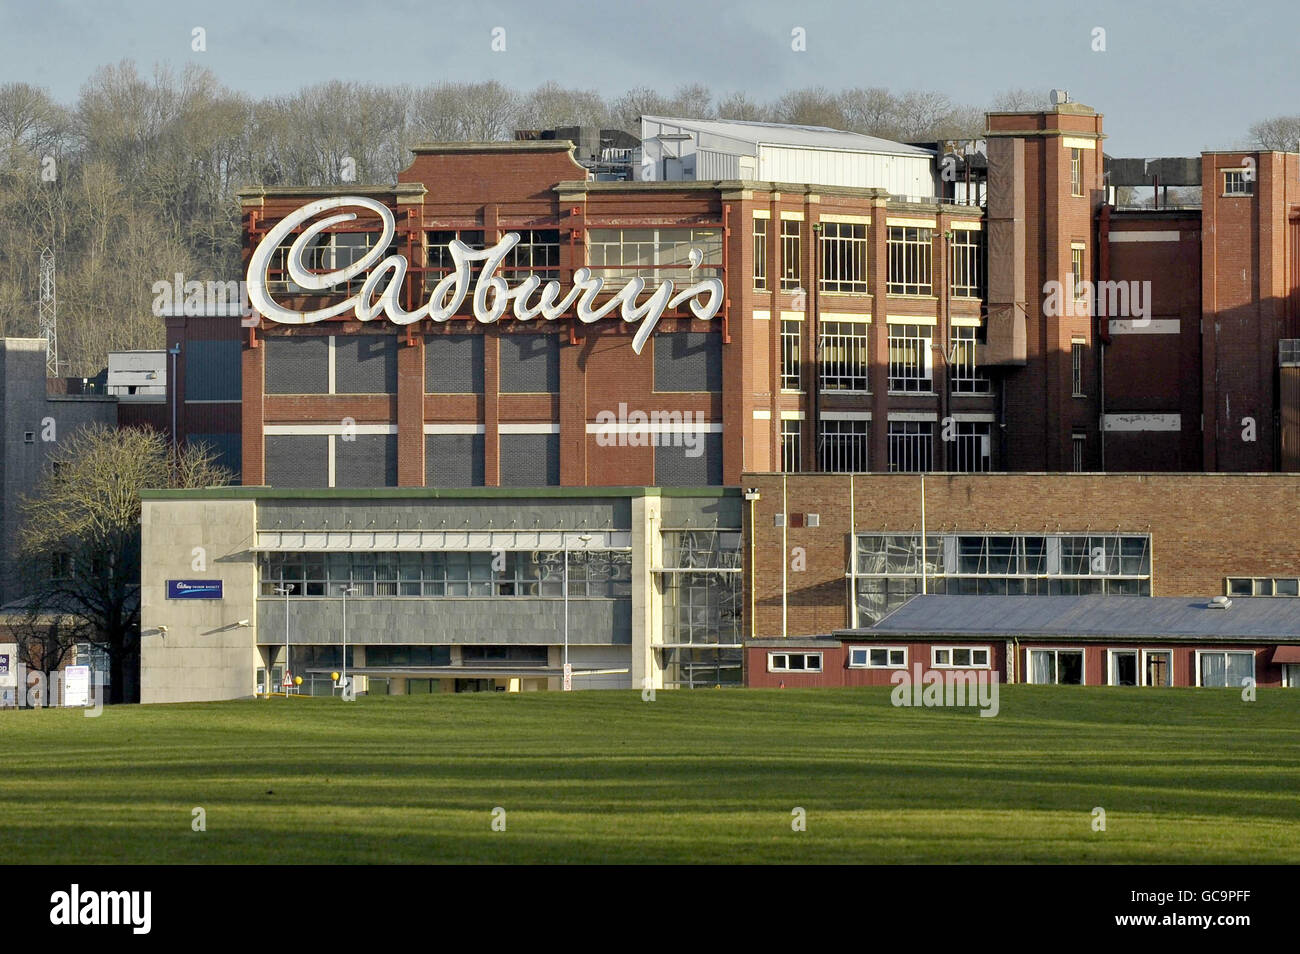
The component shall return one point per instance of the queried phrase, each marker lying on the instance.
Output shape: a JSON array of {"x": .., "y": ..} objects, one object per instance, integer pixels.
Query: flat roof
[
  {"x": 1089, "y": 617},
  {"x": 242, "y": 492}
]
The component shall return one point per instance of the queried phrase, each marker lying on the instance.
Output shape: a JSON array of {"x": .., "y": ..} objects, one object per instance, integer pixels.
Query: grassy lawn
[{"x": 1189, "y": 776}]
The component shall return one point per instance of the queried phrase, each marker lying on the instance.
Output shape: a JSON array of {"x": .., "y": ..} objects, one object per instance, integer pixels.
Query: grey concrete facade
[{"x": 222, "y": 648}]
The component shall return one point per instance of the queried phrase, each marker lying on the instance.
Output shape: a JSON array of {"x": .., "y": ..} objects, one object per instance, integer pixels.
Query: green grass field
[{"x": 1189, "y": 776}]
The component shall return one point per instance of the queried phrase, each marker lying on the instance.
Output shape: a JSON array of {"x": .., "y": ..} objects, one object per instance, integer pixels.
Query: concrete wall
[{"x": 205, "y": 655}]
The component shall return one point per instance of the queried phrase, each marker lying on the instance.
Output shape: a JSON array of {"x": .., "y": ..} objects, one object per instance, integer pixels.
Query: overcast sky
[{"x": 1175, "y": 77}]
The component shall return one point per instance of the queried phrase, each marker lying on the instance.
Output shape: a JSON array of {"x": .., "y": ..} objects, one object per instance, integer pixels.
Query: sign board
[
  {"x": 76, "y": 686},
  {"x": 568, "y": 677},
  {"x": 490, "y": 295},
  {"x": 194, "y": 589}
]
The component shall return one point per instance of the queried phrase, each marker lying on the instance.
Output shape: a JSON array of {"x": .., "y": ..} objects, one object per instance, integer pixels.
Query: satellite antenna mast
[{"x": 49, "y": 314}]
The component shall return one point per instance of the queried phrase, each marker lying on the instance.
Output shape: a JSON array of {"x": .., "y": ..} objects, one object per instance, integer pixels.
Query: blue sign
[{"x": 194, "y": 590}]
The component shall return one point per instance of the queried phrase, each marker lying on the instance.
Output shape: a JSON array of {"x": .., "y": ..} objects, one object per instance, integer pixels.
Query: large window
[
  {"x": 910, "y": 358},
  {"x": 1263, "y": 586},
  {"x": 437, "y": 257},
  {"x": 843, "y": 352},
  {"x": 760, "y": 254},
  {"x": 965, "y": 375},
  {"x": 911, "y": 254},
  {"x": 618, "y": 255},
  {"x": 450, "y": 573},
  {"x": 1076, "y": 172},
  {"x": 791, "y": 254},
  {"x": 538, "y": 253},
  {"x": 1217, "y": 670},
  {"x": 843, "y": 446},
  {"x": 959, "y": 564},
  {"x": 878, "y": 657},
  {"x": 1061, "y": 667},
  {"x": 702, "y": 608},
  {"x": 1077, "y": 253},
  {"x": 844, "y": 257},
  {"x": 960, "y": 657},
  {"x": 790, "y": 432},
  {"x": 911, "y": 446},
  {"x": 1076, "y": 366},
  {"x": 972, "y": 446},
  {"x": 328, "y": 252},
  {"x": 969, "y": 274},
  {"x": 791, "y": 354}
]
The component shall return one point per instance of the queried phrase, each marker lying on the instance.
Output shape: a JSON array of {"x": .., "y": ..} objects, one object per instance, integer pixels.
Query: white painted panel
[
  {"x": 601, "y": 657},
  {"x": 1145, "y": 236},
  {"x": 1152, "y": 326},
  {"x": 1142, "y": 422},
  {"x": 903, "y": 175},
  {"x": 710, "y": 165}
]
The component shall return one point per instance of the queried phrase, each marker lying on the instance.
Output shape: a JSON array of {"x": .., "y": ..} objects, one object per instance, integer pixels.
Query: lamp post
[
  {"x": 347, "y": 590},
  {"x": 284, "y": 589}
]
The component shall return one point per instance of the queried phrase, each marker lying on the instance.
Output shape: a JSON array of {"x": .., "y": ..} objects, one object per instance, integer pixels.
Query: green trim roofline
[{"x": 238, "y": 492}]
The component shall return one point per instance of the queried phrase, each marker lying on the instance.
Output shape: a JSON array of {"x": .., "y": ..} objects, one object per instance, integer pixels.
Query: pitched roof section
[
  {"x": 809, "y": 137},
  {"x": 1089, "y": 616}
]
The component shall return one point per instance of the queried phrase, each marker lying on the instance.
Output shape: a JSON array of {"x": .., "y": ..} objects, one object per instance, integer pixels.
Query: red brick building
[{"x": 860, "y": 330}]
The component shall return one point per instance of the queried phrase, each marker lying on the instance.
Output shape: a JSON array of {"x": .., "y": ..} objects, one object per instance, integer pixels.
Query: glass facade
[
  {"x": 703, "y": 601},
  {"x": 889, "y": 567}
]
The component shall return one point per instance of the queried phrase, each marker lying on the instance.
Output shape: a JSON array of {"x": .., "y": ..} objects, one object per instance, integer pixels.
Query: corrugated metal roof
[
  {"x": 1091, "y": 616},
  {"x": 812, "y": 137}
]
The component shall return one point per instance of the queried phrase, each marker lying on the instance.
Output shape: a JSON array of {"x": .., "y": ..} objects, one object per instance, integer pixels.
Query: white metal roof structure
[{"x": 675, "y": 148}]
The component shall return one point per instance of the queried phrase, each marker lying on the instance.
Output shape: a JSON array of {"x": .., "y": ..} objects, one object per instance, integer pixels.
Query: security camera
[
  {"x": 243, "y": 622},
  {"x": 162, "y": 630}
]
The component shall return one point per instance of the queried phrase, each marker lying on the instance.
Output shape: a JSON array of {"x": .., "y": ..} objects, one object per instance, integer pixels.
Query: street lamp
[
  {"x": 346, "y": 590},
  {"x": 585, "y": 538},
  {"x": 284, "y": 589}
]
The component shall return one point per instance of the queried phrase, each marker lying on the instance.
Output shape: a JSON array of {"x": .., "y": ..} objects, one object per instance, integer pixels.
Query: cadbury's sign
[{"x": 491, "y": 294}]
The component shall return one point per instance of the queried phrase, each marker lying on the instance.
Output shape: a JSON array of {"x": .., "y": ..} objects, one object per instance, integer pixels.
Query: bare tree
[
  {"x": 814, "y": 106},
  {"x": 740, "y": 106},
  {"x": 86, "y": 513},
  {"x": 551, "y": 106},
  {"x": 1281, "y": 133}
]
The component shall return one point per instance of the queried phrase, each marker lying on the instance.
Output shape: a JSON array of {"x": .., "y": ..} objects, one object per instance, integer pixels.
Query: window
[
  {"x": 1216, "y": 670},
  {"x": 1077, "y": 440},
  {"x": 1157, "y": 668},
  {"x": 450, "y": 573},
  {"x": 1291, "y": 675},
  {"x": 911, "y": 251},
  {"x": 790, "y": 430},
  {"x": 911, "y": 446},
  {"x": 878, "y": 657},
  {"x": 791, "y": 263},
  {"x": 1060, "y": 667},
  {"x": 843, "y": 356},
  {"x": 60, "y": 566},
  {"x": 1263, "y": 586},
  {"x": 760, "y": 254},
  {"x": 437, "y": 257},
  {"x": 538, "y": 253},
  {"x": 29, "y": 437},
  {"x": 968, "y": 278},
  {"x": 1076, "y": 272},
  {"x": 791, "y": 354},
  {"x": 1122, "y": 667},
  {"x": 794, "y": 662},
  {"x": 973, "y": 447},
  {"x": 910, "y": 358},
  {"x": 963, "y": 373},
  {"x": 328, "y": 252},
  {"x": 1238, "y": 182},
  {"x": 843, "y": 446},
  {"x": 844, "y": 257},
  {"x": 619, "y": 255},
  {"x": 1076, "y": 172},
  {"x": 1076, "y": 366},
  {"x": 959, "y": 657},
  {"x": 702, "y": 607}
]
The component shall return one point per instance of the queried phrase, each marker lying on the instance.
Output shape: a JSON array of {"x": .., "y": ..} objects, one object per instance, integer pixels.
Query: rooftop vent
[
  {"x": 1219, "y": 602},
  {"x": 1059, "y": 97}
]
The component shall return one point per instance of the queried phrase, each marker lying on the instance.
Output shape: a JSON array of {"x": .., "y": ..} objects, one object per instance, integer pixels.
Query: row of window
[
  {"x": 842, "y": 248},
  {"x": 1215, "y": 669},
  {"x": 843, "y": 446},
  {"x": 842, "y": 351},
  {"x": 499, "y": 573}
]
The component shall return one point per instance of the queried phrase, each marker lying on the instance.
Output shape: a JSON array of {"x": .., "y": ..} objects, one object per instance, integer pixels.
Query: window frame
[
  {"x": 1056, "y": 665},
  {"x": 909, "y": 261},
  {"x": 791, "y": 237},
  {"x": 848, "y": 254},
  {"x": 1076, "y": 172},
  {"x": 806, "y": 654},
  {"x": 759, "y": 271},
  {"x": 1247, "y": 188},
  {"x": 1225, "y": 653},
  {"x": 889, "y": 651},
  {"x": 951, "y": 650},
  {"x": 791, "y": 355},
  {"x": 905, "y": 343}
]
